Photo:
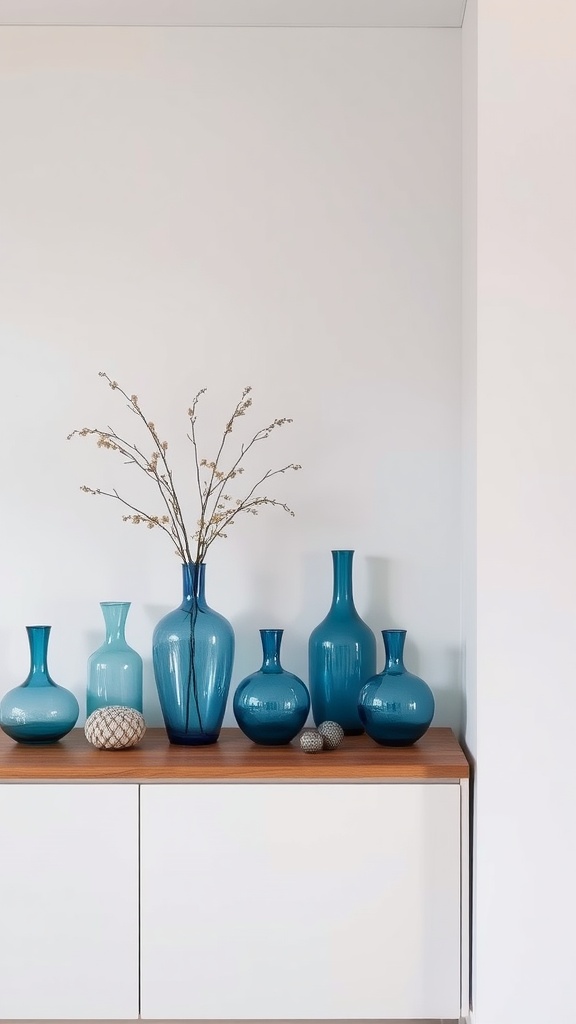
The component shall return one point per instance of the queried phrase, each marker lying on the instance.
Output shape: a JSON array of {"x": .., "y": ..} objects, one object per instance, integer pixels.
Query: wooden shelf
[{"x": 436, "y": 756}]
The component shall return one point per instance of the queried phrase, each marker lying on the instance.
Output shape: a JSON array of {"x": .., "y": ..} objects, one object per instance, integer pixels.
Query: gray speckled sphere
[
  {"x": 332, "y": 734},
  {"x": 311, "y": 742}
]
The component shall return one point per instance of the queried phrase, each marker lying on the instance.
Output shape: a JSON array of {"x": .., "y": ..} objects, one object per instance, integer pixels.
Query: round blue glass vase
[
  {"x": 396, "y": 707},
  {"x": 271, "y": 705},
  {"x": 193, "y": 654},
  {"x": 39, "y": 711},
  {"x": 115, "y": 669},
  {"x": 341, "y": 654}
]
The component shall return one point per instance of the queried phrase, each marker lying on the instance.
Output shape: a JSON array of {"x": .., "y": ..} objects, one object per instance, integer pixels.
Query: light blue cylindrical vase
[{"x": 115, "y": 669}]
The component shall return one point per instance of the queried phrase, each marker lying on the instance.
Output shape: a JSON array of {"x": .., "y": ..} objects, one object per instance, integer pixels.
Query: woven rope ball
[
  {"x": 332, "y": 734},
  {"x": 311, "y": 742},
  {"x": 114, "y": 728}
]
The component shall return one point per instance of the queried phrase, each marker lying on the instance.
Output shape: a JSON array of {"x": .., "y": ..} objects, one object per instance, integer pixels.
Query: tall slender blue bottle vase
[
  {"x": 193, "y": 654},
  {"x": 341, "y": 654},
  {"x": 115, "y": 669},
  {"x": 38, "y": 711}
]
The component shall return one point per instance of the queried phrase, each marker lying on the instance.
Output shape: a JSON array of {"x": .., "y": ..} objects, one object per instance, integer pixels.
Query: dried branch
[{"x": 217, "y": 509}]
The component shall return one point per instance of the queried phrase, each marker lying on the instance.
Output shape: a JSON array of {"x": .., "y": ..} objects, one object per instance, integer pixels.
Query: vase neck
[
  {"x": 394, "y": 648},
  {"x": 342, "y": 596},
  {"x": 38, "y": 640},
  {"x": 271, "y": 640},
  {"x": 193, "y": 583},
  {"x": 115, "y": 613}
]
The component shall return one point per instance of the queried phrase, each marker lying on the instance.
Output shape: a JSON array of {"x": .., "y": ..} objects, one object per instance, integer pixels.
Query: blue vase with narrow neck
[
  {"x": 193, "y": 655},
  {"x": 396, "y": 707},
  {"x": 39, "y": 711},
  {"x": 271, "y": 705},
  {"x": 115, "y": 669},
  {"x": 341, "y": 654}
]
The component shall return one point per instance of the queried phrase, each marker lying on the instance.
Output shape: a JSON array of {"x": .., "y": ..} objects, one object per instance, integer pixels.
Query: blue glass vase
[
  {"x": 396, "y": 707},
  {"x": 193, "y": 654},
  {"x": 272, "y": 705},
  {"x": 341, "y": 654},
  {"x": 38, "y": 711},
  {"x": 115, "y": 669}
]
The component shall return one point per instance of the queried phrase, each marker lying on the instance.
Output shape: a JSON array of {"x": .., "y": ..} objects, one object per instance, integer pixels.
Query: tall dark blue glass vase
[
  {"x": 193, "y": 654},
  {"x": 38, "y": 711},
  {"x": 396, "y": 707},
  {"x": 341, "y": 654},
  {"x": 271, "y": 705}
]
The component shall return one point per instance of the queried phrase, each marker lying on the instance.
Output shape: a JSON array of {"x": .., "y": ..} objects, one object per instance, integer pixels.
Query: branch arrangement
[{"x": 218, "y": 509}]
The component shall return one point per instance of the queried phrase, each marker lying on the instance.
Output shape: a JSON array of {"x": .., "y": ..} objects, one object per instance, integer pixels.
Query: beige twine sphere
[{"x": 114, "y": 728}]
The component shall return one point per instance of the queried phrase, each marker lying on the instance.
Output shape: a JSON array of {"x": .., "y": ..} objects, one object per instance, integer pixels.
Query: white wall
[
  {"x": 469, "y": 417},
  {"x": 188, "y": 207},
  {"x": 469, "y": 361},
  {"x": 526, "y": 496}
]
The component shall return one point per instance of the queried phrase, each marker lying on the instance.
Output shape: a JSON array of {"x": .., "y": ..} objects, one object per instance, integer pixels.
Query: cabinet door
[
  {"x": 69, "y": 901},
  {"x": 300, "y": 901}
]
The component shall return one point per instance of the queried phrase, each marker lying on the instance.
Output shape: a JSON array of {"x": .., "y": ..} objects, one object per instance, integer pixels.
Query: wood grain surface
[{"x": 437, "y": 755}]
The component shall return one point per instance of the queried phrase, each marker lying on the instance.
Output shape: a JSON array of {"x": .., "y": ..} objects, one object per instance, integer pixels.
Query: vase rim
[
  {"x": 106, "y": 604},
  {"x": 399, "y": 631},
  {"x": 343, "y": 551},
  {"x": 38, "y": 627}
]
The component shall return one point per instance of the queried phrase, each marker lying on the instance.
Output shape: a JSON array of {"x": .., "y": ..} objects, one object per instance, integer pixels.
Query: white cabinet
[
  {"x": 300, "y": 900},
  {"x": 233, "y": 881},
  {"x": 69, "y": 901}
]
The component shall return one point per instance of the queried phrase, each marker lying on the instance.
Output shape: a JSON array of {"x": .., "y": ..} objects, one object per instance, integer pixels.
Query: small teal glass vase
[
  {"x": 115, "y": 669},
  {"x": 396, "y": 707},
  {"x": 193, "y": 655},
  {"x": 39, "y": 711},
  {"x": 341, "y": 654},
  {"x": 271, "y": 705}
]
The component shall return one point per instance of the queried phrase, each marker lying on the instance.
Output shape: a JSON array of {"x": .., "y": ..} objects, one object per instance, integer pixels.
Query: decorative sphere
[
  {"x": 332, "y": 734},
  {"x": 311, "y": 742},
  {"x": 114, "y": 728}
]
